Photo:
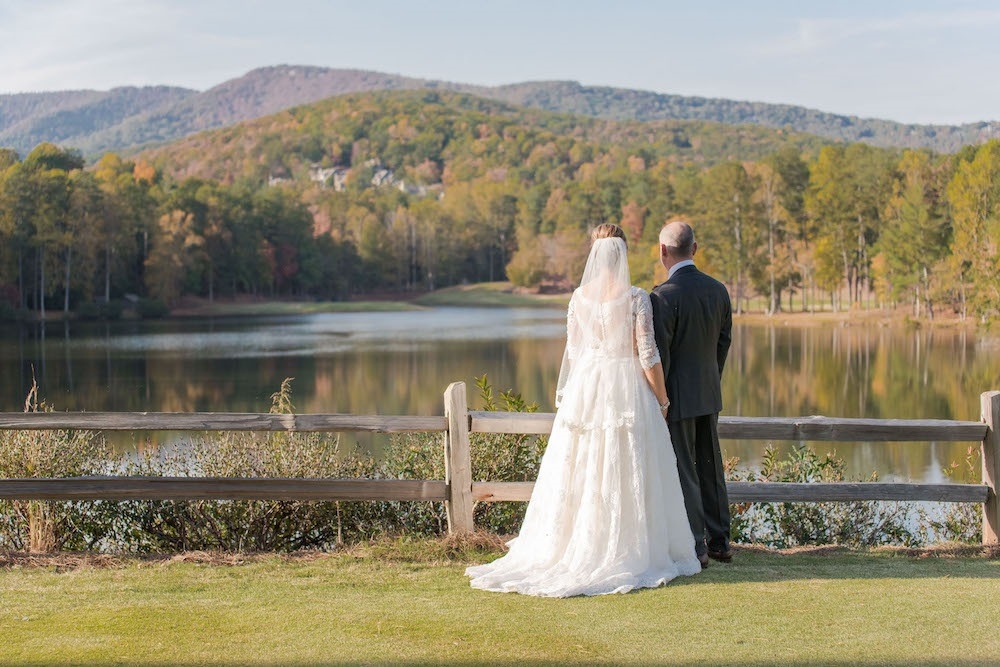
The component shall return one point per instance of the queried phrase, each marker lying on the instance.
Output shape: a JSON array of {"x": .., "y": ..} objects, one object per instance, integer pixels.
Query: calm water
[{"x": 400, "y": 363}]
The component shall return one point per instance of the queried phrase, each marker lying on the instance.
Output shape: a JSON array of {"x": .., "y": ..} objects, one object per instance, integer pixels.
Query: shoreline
[{"x": 505, "y": 295}]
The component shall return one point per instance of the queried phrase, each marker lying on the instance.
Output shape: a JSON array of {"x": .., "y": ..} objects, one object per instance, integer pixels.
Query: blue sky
[{"x": 909, "y": 61}]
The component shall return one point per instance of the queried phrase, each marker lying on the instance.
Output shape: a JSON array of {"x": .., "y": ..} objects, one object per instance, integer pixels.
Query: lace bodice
[{"x": 612, "y": 335}]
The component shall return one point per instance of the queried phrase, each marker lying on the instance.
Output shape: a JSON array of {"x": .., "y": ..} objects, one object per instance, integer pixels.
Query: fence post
[
  {"x": 990, "y": 402},
  {"x": 457, "y": 462}
]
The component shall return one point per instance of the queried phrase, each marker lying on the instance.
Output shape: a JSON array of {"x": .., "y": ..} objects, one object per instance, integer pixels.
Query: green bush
[
  {"x": 957, "y": 522},
  {"x": 103, "y": 310},
  {"x": 781, "y": 525},
  {"x": 43, "y": 526},
  {"x": 10, "y": 313},
  {"x": 144, "y": 526},
  {"x": 150, "y": 309}
]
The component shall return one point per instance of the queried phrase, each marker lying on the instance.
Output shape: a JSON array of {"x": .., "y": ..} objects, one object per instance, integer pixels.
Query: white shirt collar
[{"x": 679, "y": 265}]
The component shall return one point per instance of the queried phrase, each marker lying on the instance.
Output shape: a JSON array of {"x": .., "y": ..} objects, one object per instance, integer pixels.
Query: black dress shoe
[
  {"x": 703, "y": 559},
  {"x": 721, "y": 556}
]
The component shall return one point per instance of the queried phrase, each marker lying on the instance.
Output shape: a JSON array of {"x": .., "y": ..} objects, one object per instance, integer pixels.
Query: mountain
[
  {"x": 258, "y": 93},
  {"x": 73, "y": 117},
  {"x": 433, "y": 136},
  {"x": 125, "y": 119},
  {"x": 622, "y": 104}
]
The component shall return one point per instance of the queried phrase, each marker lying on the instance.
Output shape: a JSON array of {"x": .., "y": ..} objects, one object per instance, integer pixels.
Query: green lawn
[
  {"x": 490, "y": 294},
  {"x": 402, "y": 604}
]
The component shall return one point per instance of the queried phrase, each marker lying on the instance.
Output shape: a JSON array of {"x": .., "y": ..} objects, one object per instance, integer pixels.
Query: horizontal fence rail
[
  {"x": 221, "y": 488},
  {"x": 459, "y": 492},
  {"x": 218, "y": 421},
  {"x": 775, "y": 428},
  {"x": 811, "y": 492},
  {"x": 539, "y": 423}
]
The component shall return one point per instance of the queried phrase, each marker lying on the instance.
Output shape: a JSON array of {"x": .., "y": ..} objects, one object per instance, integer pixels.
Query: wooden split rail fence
[{"x": 458, "y": 490}]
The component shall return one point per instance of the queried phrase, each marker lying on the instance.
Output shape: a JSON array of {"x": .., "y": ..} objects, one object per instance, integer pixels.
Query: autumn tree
[
  {"x": 732, "y": 229},
  {"x": 974, "y": 196},
  {"x": 914, "y": 234}
]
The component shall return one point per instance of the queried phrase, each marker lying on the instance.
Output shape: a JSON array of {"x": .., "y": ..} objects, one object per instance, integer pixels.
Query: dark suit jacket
[{"x": 693, "y": 322}]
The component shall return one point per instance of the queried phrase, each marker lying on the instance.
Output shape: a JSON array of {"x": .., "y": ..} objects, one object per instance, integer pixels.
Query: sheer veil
[{"x": 599, "y": 318}]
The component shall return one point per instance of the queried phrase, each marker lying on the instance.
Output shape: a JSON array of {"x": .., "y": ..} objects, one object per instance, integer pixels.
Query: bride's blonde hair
[{"x": 608, "y": 230}]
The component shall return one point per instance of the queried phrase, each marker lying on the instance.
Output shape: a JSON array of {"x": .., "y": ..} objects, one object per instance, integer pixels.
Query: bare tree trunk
[
  {"x": 107, "y": 271},
  {"x": 20, "y": 275},
  {"x": 770, "y": 255},
  {"x": 69, "y": 262},
  {"x": 41, "y": 283}
]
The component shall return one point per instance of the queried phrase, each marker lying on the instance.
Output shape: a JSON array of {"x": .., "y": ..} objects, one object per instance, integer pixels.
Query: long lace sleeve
[
  {"x": 572, "y": 349},
  {"x": 645, "y": 340},
  {"x": 572, "y": 331}
]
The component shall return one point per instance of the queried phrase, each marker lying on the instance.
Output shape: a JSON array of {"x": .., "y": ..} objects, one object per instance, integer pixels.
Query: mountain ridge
[{"x": 127, "y": 119}]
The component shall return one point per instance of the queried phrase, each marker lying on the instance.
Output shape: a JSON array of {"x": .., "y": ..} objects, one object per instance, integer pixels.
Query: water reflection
[{"x": 400, "y": 363}]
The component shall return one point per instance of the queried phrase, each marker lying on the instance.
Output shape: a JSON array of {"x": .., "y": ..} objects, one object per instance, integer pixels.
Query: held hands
[{"x": 665, "y": 408}]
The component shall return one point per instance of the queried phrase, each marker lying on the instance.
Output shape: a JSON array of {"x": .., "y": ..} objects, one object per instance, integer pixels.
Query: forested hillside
[
  {"x": 124, "y": 119},
  {"x": 629, "y": 104},
  {"x": 415, "y": 190},
  {"x": 74, "y": 117}
]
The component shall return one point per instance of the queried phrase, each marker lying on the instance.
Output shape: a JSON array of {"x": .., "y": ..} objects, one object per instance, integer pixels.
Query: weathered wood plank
[
  {"x": 532, "y": 423},
  {"x": 849, "y": 430},
  {"x": 740, "y": 492},
  {"x": 218, "y": 421},
  {"x": 748, "y": 428},
  {"x": 500, "y": 491},
  {"x": 457, "y": 460},
  {"x": 220, "y": 488},
  {"x": 775, "y": 428},
  {"x": 990, "y": 403}
]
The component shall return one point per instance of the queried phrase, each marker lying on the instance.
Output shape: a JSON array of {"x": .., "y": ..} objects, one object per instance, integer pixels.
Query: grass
[
  {"x": 490, "y": 294},
  {"x": 267, "y": 308},
  {"x": 499, "y": 294},
  {"x": 407, "y": 602}
]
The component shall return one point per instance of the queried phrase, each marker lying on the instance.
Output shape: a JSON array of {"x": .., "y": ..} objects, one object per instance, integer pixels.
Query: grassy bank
[
  {"x": 266, "y": 308},
  {"x": 407, "y": 602},
  {"x": 490, "y": 294},
  {"x": 499, "y": 294}
]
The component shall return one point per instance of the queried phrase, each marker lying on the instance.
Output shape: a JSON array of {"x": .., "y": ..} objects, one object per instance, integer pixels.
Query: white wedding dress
[{"x": 607, "y": 513}]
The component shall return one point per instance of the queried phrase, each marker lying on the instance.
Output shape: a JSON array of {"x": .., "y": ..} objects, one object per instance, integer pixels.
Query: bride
[{"x": 606, "y": 514}]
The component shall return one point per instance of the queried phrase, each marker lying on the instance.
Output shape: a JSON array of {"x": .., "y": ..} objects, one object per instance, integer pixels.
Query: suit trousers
[{"x": 703, "y": 481}]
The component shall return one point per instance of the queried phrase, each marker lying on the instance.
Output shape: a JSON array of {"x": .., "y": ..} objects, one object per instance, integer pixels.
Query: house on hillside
[
  {"x": 325, "y": 176},
  {"x": 382, "y": 177},
  {"x": 412, "y": 189}
]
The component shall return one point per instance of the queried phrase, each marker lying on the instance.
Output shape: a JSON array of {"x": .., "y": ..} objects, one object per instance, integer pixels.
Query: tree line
[
  {"x": 854, "y": 226},
  {"x": 437, "y": 189}
]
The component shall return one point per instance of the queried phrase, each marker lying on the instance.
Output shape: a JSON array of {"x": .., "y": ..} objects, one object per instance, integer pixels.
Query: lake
[{"x": 401, "y": 362}]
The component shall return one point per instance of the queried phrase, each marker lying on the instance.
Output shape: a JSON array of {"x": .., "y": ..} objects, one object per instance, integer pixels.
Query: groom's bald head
[{"x": 677, "y": 239}]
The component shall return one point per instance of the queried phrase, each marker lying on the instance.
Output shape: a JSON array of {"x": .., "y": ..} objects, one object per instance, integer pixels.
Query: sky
[{"x": 916, "y": 61}]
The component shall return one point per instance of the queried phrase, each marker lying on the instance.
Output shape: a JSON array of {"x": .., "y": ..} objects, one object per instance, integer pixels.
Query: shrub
[
  {"x": 781, "y": 525},
  {"x": 42, "y": 526},
  {"x": 241, "y": 525},
  {"x": 150, "y": 309},
  {"x": 103, "y": 310},
  {"x": 957, "y": 522}
]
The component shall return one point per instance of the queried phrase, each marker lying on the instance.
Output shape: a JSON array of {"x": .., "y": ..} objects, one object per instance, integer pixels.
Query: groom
[{"x": 692, "y": 321}]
